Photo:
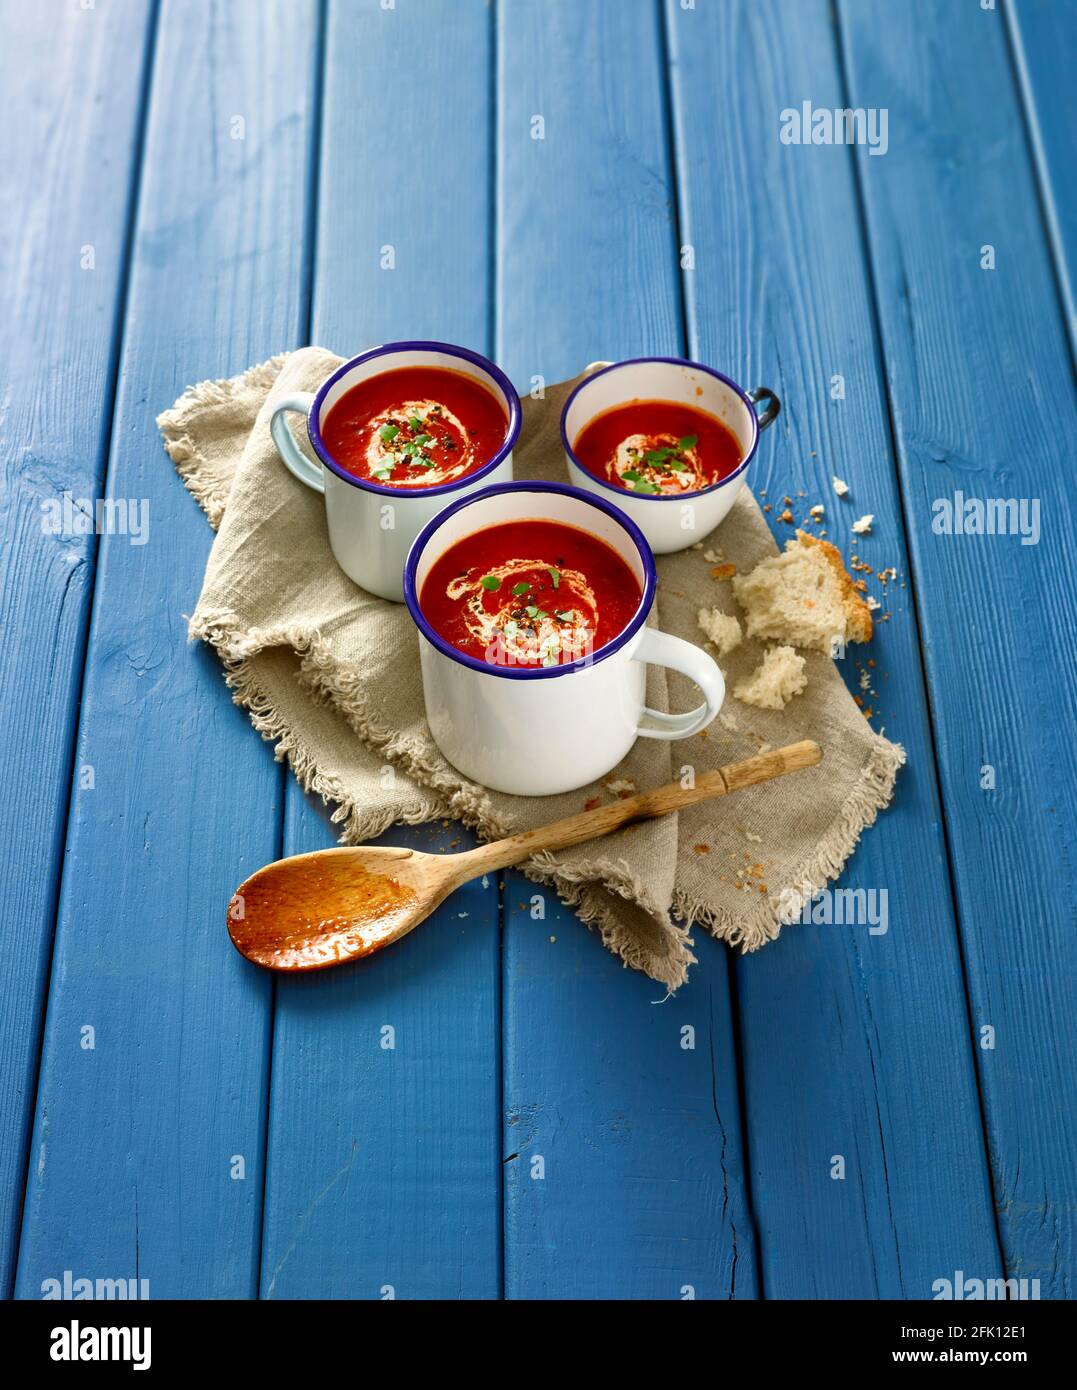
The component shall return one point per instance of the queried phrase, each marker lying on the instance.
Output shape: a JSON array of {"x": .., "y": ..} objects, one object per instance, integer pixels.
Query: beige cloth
[{"x": 331, "y": 676}]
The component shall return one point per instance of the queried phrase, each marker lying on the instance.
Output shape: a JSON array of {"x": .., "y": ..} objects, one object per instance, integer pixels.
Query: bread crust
[{"x": 858, "y": 621}]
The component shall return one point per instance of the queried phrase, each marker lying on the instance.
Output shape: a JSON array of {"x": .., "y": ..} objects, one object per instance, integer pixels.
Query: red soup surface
[
  {"x": 658, "y": 447},
  {"x": 529, "y": 593},
  {"x": 415, "y": 427}
]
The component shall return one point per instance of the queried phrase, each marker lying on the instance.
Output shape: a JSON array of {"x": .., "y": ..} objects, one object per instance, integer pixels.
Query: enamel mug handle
[
  {"x": 772, "y": 406},
  {"x": 661, "y": 649},
  {"x": 295, "y": 460}
]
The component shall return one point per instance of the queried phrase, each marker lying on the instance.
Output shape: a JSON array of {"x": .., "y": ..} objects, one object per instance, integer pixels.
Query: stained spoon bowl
[{"x": 313, "y": 911}]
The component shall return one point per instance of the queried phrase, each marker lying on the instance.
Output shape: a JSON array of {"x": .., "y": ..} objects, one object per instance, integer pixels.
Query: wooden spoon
[{"x": 316, "y": 910}]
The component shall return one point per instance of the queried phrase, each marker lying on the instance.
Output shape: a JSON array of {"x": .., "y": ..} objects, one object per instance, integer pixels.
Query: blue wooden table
[{"x": 189, "y": 187}]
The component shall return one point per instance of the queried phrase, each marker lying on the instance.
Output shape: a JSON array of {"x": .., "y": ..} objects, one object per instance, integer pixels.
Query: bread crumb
[
  {"x": 721, "y": 628},
  {"x": 727, "y": 721},
  {"x": 621, "y": 786},
  {"x": 702, "y": 849},
  {"x": 786, "y": 516},
  {"x": 714, "y": 557},
  {"x": 816, "y": 512},
  {"x": 873, "y": 604},
  {"x": 723, "y": 571},
  {"x": 774, "y": 683},
  {"x": 862, "y": 526},
  {"x": 840, "y": 487}
]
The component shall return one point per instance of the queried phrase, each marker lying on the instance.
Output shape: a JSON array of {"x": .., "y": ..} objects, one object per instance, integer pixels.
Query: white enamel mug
[
  {"x": 669, "y": 521},
  {"x": 538, "y": 730},
  {"x": 371, "y": 527}
]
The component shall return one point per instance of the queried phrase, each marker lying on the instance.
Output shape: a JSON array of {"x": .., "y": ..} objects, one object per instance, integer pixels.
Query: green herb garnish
[
  {"x": 555, "y": 578},
  {"x": 491, "y": 581},
  {"x": 388, "y": 433},
  {"x": 688, "y": 442},
  {"x": 566, "y": 616},
  {"x": 535, "y": 612},
  {"x": 415, "y": 421},
  {"x": 521, "y": 589},
  {"x": 644, "y": 486},
  {"x": 550, "y": 647}
]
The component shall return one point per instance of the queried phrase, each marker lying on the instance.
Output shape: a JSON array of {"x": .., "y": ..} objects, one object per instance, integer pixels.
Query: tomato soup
[
  {"x": 660, "y": 448},
  {"x": 529, "y": 593},
  {"x": 415, "y": 427}
]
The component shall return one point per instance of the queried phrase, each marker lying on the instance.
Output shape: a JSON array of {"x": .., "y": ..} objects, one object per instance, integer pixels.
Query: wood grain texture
[
  {"x": 383, "y": 1172},
  {"x": 73, "y": 88},
  {"x": 136, "y": 1141},
  {"x": 982, "y": 402},
  {"x": 1043, "y": 36},
  {"x": 384, "y": 1161},
  {"x": 656, "y": 801},
  {"x": 640, "y": 1191},
  {"x": 856, "y": 1043}
]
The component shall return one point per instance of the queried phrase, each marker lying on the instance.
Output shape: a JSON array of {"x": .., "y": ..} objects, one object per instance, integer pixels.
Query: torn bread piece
[
  {"x": 720, "y": 628},
  {"x": 804, "y": 597},
  {"x": 773, "y": 683}
]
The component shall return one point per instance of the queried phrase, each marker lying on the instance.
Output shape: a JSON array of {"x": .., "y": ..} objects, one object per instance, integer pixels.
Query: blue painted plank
[
  {"x": 384, "y": 1161},
  {"x": 1043, "y": 35},
  {"x": 66, "y": 183},
  {"x": 982, "y": 403},
  {"x": 136, "y": 1140},
  {"x": 855, "y": 1044},
  {"x": 642, "y": 1193}
]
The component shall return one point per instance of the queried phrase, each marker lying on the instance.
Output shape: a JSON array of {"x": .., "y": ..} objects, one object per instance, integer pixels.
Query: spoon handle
[{"x": 589, "y": 825}]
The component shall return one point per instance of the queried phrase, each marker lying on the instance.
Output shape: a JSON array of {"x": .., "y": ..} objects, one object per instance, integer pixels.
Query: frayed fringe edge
[
  {"x": 579, "y": 886},
  {"x": 172, "y": 423},
  {"x": 870, "y": 796}
]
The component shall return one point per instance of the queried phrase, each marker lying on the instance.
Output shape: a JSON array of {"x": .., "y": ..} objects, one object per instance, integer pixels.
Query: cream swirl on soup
[
  {"x": 658, "y": 448},
  {"x": 529, "y": 611},
  {"x": 415, "y": 427},
  {"x": 529, "y": 593}
]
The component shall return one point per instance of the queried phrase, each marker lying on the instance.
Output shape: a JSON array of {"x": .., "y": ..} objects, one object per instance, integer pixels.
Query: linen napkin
[{"x": 330, "y": 675}]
